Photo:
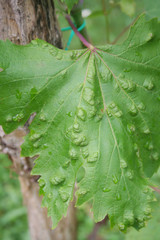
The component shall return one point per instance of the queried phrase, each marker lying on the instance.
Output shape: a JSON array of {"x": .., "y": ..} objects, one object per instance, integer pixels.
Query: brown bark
[
  {"x": 24, "y": 20},
  {"x": 21, "y": 21},
  {"x": 94, "y": 234}
]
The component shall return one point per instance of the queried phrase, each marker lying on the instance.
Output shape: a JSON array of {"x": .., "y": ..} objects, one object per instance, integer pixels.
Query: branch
[
  {"x": 79, "y": 35},
  {"x": 76, "y": 14},
  {"x": 156, "y": 189},
  {"x": 106, "y": 13},
  {"x": 94, "y": 233}
]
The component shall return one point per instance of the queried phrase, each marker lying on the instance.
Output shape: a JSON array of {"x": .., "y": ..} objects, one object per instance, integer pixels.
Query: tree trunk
[
  {"x": 21, "y": 21},
  {"x": 24, "y": 20}
]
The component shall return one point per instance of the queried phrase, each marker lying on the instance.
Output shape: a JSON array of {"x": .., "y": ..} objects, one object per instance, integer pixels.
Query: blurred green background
[
  {"x": 13, "y": 217},
  {"x": 105, "y": 21}
]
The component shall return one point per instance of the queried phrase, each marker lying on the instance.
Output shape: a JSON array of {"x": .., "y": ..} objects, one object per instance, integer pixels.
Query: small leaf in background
[
  {"x": 128, "y": 7},
  {"x": 69, "y": 3}
]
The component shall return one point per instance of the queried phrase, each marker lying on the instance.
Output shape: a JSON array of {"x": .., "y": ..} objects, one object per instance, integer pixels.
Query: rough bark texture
[
  {"x": 21, "y": 21},
  {"x": 24, "y": 20}
]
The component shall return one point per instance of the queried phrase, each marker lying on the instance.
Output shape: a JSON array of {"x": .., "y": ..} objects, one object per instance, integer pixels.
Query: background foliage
[
  {"x": 13, "y": 219},
  {"x": 114, "y": 14}
]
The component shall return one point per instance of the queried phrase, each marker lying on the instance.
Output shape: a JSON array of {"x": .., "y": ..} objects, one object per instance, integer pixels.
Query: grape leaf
[
  {"x": 69, "y": 3},
  {"x": 152, "y": 230},
  {"x": 96, "y": 110},
  {"x": 128, "y": 7}
]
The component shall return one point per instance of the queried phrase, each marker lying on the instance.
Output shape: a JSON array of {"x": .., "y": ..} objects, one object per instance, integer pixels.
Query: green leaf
[
  {"x": 69, "y": 3},
  {"x": 128, "y": 7},
  {"x": 95, "y": 111},
  {"x": 152, "y": 230}
]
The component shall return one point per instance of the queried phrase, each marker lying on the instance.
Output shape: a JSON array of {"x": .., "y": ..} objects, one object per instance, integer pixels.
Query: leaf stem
[
  {"x": 79, "y": 35},
  {"x": 106, "y": 13}
]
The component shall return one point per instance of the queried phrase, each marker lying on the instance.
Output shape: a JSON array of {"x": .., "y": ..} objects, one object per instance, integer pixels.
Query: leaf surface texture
[{"x": 96, "y": 112}]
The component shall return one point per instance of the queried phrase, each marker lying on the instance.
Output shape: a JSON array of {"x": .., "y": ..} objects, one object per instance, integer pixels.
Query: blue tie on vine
[{"x": 72, "y": 33}]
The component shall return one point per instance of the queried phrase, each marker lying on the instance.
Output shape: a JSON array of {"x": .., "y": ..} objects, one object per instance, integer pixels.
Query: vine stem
[
  {"x": 82, "y": 39},
  {"x": 156, "y": 189},
  {"x": 106, "y": 13}
]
